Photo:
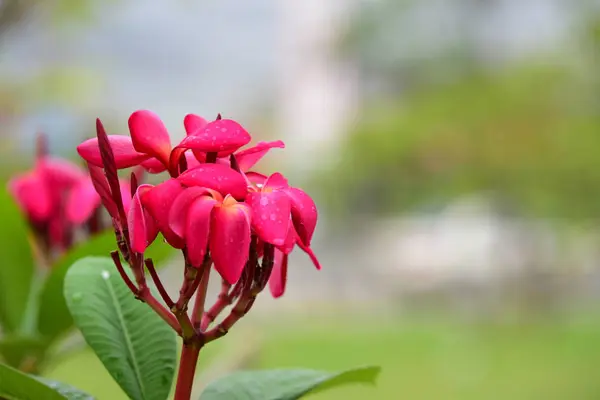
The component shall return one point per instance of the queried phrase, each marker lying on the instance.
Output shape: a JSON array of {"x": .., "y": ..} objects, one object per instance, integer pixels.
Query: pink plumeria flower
[{"x": 212, "y": 205}]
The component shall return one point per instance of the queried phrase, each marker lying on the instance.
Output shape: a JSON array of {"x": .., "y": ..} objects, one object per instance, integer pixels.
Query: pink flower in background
[{"x": 56, "y": 197}]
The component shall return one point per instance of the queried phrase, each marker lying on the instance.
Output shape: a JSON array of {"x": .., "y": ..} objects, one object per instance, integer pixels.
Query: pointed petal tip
[
  {"x": 149, "y": 134},
  {"x": 125, "y": 155}
]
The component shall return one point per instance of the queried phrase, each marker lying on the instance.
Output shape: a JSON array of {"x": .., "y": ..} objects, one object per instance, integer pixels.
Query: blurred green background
[{"x": 453, "y": 148}]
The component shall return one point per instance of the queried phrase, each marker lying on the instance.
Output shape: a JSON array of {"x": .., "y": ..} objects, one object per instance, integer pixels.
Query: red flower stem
[
  {"x": 201, "y": 293},
  {"x": 222, "y": 302},
  {"x": 161, "y": 289},
  {"x": 187, "y": 369},
  {"x": 164, "y": 313},
  {"x": 124, "y": 276},
  {"x": 240, "y": 309},
  {"x": 144, "y": 295}
]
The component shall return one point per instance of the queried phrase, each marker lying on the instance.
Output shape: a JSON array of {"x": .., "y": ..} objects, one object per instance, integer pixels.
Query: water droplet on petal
[
  {"x": 273, "y": 217},
  {"x": 263, "y": 217},
  {"x": 264, "y": 201}
]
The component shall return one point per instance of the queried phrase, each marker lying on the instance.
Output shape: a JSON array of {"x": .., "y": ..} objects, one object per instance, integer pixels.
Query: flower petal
[
  {"x": 82, "y": 201},
  {"x": 304, "y": 214},
  {"x": 311, "y": 254},
  {"x": 179, "y": 210},
  {"x": 60, "y": 172},
  {"x": 101, "y": 185},
  {"x": 157, "y": 201},
  {"x": 248, "y": 157},
  {"x": 197, "y": 229},
  {"x": 142, "y": 230},
  {"x": 125, "y": 194},
  {"x": 218, "y": 177},
  {"x": 278, "y": 277},
  {"x": 230, "y": 240},
  {"x": 256, "y": 178},
  {"x": 276, "y": 181},
  {"x": 32, "y": 195},
  {"x": 223, "y": 136},
  {"x": 271, "y": 215},
  {"x": 193, "y": 123},
  {"x": 149, "y": 135},
  {"x": 290, "y": 240},
  {"x": 125, "y": 155},
  {"x": 153, "y": 165}
]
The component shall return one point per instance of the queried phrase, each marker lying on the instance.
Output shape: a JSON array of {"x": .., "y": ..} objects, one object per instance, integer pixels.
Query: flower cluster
[
  {"x": 211, "y": 206},
  {"x": 58, "y": 199}
]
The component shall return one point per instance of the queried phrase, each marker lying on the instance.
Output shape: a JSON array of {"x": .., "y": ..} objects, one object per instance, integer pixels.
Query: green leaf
[
  {"x": 15, "y": 385},
  {"x": 14, "y": 349},
  {"x": 67, "y": 391},
  {"x": 17, "y": 269},
  {"x": 135, "y": 345},
  {"x": 284, "y": 384},
  {"x": 54, "y": 318}
]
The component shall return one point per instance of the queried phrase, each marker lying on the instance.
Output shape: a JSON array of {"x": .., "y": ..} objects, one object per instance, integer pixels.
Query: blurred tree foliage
[
  {"x": 52, "y": 85},
  {"x": 529, "y": 134}
]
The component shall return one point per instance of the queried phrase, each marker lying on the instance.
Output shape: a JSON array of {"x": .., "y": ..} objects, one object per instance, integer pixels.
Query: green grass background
[{"x": 438, "y": 358}]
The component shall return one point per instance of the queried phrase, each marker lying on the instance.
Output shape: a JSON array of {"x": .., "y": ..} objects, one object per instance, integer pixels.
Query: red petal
[
  {"x": 193, "y": 123},
  {"x": 101, "y": 185},
  {"x": 311, "y": 254},
  {"x": 154, "y": 166},
  {"x": 122, "y": 147},
  {"x": 197, "y": 229},
  {"x": 278, "y": 277},
  {"x": 247, "y": 158},
  {"x": 142, "y": 230},
  {"x": 32, "y": 195},
  {"x": 125, "y": 194},
  {"x": 230, "y": 240},
  {"x": 276, "y": 181},
  {"x": 158, "y": 201},
  {"x": 256, "y": 178},
  {"x": 304, "y": 214},
  {"x": 290, "y": 240},
  {"x": 82, "y": 201},
  {"x": 271, "y": 215},
  {"x": 224, "y": 136},
  {"x": 180, "y": 207},
  {"x": 218, "y": 177},
  {"x": 149, "y": 135}
]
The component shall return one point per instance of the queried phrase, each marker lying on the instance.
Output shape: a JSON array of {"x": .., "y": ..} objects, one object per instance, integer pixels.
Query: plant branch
[
  {"x": 117, "y": 260},
  {"x": 201, "y": 292},
  {"x": 187, "y": 370},
  {"x": 163, "y": 312},
  {"x": 223, "y": 300},
  {"x": 161, "y": 289}
]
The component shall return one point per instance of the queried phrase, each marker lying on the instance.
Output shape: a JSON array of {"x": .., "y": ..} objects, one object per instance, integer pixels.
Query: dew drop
[
  {"x": 223, "y": 129},
  {"x": 105, "y": 275},
  {"x": 263, "y": 217},
  {"x": 77, "y": 296},
  {"x": 273, "y": 217},
  {"x": 264, "y": 201}
]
